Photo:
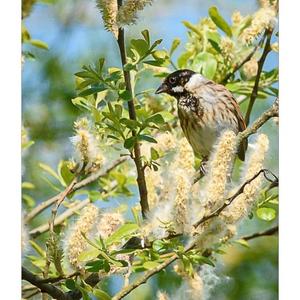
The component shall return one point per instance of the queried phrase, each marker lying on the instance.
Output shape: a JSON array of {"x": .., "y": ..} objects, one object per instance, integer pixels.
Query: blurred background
[{"x": 75, "y": 35}]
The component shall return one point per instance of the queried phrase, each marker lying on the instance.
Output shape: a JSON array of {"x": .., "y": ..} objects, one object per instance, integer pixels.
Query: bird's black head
[{"x": 175, "y": 82}]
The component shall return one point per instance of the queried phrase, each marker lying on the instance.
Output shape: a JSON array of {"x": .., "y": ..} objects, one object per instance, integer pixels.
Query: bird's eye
[{"x": 172, "y": 80}]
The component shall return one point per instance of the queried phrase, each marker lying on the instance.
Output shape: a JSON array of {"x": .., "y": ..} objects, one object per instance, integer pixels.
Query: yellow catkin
[
  {"x": 227, "y": 48},
  {"x": 76, "y": 243},
  {"x": 183, "y": 186},
  {"x": 195, "y": 287},
  {"x": 154, "y": 183},
  {"x": 185, "y": 158},
  {"x": 87, "y": 149},
  {"x": 162, "y": 296},
  {"x": 109, "y": 223},
  {"x": 183, "y": 170},
  {"x": 241, "y": 205},
  {"x": 250, "y": 68},
  {"x": 128, "y": 12},
  {"x": 236, "y": 18},
  {"x": 109, "y": 11},
  {"x": 165, "y": 142},
  {"x": 220, "y": 166},
  {"x": 264, "y": 18}
]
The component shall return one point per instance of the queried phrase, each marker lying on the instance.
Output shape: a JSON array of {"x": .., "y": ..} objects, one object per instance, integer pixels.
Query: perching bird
[{"x": 205, "y": 110}]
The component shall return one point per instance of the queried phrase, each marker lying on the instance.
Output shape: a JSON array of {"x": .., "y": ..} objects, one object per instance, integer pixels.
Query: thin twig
[
  {"x": 261, "y": 62},
  {"x": 270, "y": 113},
  {"x": 60, "y": 219},
  {"x": 91, "y": 178},
  {"x": 238, "y": 66},
  {"x": 267, "y": 232},
  {"x": 50, "y": 289},
  {"x": 230, "y": 200},
  {"x": 132, "y": 115}
]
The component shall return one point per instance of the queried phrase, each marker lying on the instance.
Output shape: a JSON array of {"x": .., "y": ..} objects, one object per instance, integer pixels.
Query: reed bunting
[{"x": 205, "y": 110}]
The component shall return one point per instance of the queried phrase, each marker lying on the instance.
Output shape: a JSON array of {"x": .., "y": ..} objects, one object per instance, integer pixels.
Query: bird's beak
[{"x": 163, "y": 88}]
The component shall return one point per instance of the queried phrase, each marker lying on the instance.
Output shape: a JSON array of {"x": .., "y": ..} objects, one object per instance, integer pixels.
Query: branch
[
  {"x": 143, "y": 279},
  {"x": 94, "y": 176},
  {"x": 60, "y": 219},
  {"x": 65, "y": 215},
  {"x": 238, "y": 66},
  {"x": 53, "y": 291},
  {"x": 270, "y": 113},
  {"x": 132, "y": 115},
  {"x": 228, "y": 201},
  {"x": 267, "y": 232},
  {"x": 261, "y": 62}
]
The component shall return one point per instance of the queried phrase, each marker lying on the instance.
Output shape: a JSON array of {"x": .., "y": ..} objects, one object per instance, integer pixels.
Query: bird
[{"x": 205, "y": 110}]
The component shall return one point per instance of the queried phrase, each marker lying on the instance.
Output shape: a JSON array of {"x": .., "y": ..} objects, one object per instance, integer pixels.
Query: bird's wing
[{"x": 242, "y": 126}]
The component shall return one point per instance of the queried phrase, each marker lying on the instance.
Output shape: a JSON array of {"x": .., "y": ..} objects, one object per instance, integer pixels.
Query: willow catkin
[
  {"x": 243, "y": 203},
  {"x": 128, "y": 11},
  {"x": 109, "y": 11},
  {"x": 220, "y": 166},
  {"x": 75, "y": 243}
]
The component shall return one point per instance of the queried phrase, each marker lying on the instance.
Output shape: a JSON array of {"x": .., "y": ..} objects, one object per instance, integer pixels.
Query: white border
[
  {"x": 10, "y": 157},
  {"x": 289, "y": 232}
]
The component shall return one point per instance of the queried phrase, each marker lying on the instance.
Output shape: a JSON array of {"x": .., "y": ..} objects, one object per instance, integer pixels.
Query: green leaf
[
  {"x": 50, "y": 171},
  {"x": 146, "y": 36},
  {"x": 242, "y": 242},
  {"x": 167, "y": 116},
  {"x": 266, "y": 213},
  {"x": 156, "y": 119},
  {"x": 66, "y": 175},
  {"x": 101, "y": 295},
  {"x": 128, "y": 144},
  {"x": 86, "y": 74},
  {"x": 147, "y": 138},
  {"x": 39, "y": 44},
  {"x": 27, "y": 185},
  {"x": 92, "y": 90},
  {"x": 81, "y": 102},
  {"x": 156, "y": 63},
  {"x": 122, "y": 232},
  {"x": 101, "y": 62},
  {"x": 30, "y": 202},
  {"x": 88, "y": 255},
  {"x": 97, "y": 265},
  {"x": 160, "y": 54},
  {"x": 70, "y": 284},
  {"x": 38, "y": 249},
  {"x": 192, "y": 27},
  {"x": 132, "y": 124},
  {"x": 154, "y": 154},
  {"x": 156, "y": 43},
  {"x": 125, "y": 95},
  {"x": 141, "y": 46},
  {"x": 183, "y": 59},
  {"x": 175, "y": 44},
  {"x": 219, "y": 21},
  {"x": 150, "y": 264},
  {"x": 206, "y": 64}
]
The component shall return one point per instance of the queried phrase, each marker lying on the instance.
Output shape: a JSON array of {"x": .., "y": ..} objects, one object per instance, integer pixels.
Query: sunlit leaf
[
  {"x": 122, "y": 232},
  {"x": 266, "y": 213},
  {"x": 175, "y": 44},
  {"x": 219, "y": 21},
  {"x": 101, "y": 295}
]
